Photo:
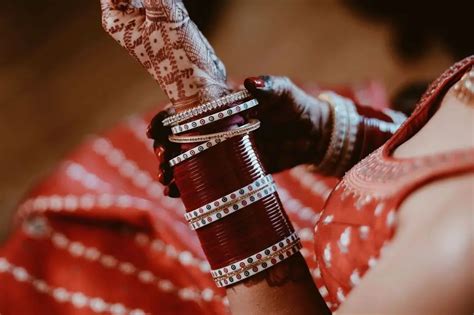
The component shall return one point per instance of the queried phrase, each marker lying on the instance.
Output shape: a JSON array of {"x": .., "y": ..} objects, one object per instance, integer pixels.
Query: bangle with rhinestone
[
  {"x": 233, "y": 207},
  {"x": 244, "y": 129},
  {"x": 338, "y": 135},
  {"x": 223, "y": 201},
  {"x": 258, "y": 262},
  {"x": 259, "y": 266},
  {"x": 214, "y": 117},
  {"x": 194, "y": 151},
  {"x": 351, "y": 136},
  {"x": 203, "y": 108}
]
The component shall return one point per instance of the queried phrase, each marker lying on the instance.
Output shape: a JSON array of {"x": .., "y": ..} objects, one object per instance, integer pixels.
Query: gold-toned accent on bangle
[
  {"x": 253, "y": 124},
  {"x": 464, "y": 88}
]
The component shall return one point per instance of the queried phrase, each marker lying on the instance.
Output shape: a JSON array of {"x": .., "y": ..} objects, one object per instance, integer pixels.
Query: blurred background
[{"x": 62, "y": 77}]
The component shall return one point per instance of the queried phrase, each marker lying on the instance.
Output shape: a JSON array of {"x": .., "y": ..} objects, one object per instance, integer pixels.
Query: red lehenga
[{"x": 98, "y": 236}]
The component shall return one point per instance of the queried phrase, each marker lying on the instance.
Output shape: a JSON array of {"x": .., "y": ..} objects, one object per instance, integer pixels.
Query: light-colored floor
[{"x": 77, "y": 81}]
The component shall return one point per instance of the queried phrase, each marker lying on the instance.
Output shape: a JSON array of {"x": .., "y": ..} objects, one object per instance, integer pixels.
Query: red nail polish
[
  {"x": 259, "y": 83},
  {"x": 159, "y": 152}
]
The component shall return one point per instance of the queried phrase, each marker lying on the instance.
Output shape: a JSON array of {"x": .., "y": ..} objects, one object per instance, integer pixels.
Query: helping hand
[
  {"x": 293, "y": 128},
  {"x": 292, "y": 123}
]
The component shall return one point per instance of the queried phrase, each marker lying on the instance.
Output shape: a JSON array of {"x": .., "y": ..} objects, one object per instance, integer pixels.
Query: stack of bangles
[
  {"x": 347, "y": 125},
  {"x": 345, "y": 122},
  {"x": 234, "y": 201}
]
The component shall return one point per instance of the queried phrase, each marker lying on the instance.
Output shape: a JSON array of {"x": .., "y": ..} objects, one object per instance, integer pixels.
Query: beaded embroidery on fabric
[
  {"x": 380, "y": 176},
  {"x": 360, "y": 216}
]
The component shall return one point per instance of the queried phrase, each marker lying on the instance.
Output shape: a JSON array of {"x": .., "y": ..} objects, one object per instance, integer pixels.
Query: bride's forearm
[{"x": 286, "y": 288}]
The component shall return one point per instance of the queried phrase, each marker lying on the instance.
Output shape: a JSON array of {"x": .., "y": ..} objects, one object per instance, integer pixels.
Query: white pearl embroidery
[
  {"x": 340, "y": 295},
  {"x": 364, "y": 232},
  {"x": 345, "y": 240},
  {"x": 328, "y": 219},
  {"x": 355, "y": 278},
  {"x": 390, "y": 218},
  {"x": 327, "y": 255}
]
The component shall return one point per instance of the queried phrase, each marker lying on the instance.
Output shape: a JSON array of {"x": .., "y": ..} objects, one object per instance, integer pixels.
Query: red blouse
[{"x": 360, "y": 216}]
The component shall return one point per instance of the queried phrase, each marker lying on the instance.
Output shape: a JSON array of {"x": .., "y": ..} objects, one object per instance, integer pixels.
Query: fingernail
[
  {"x": 159, "y": 152},
  {"x": 254, "y": 83},
  {"x": 160, "y": 177},
  {"x": 258, "y": 82}
]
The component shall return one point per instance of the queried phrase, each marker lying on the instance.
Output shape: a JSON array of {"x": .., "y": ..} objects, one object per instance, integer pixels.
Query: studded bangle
[
  {"x": 214, "y": 117},
  {"x": 233, "y": 207},
  {"x": 258, "y": 262},
  {"x": 224, "y": 200},
  {"x": 340, "y": 119},
  {"x": 201, "y": 109},
  {"x": 249, "y": 127},
  {"x": 351, "y": 136},
  {"x": 194, "y": 151}
]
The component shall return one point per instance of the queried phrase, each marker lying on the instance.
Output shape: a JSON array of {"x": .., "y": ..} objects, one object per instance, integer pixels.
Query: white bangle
[
  {"x": 258, "y": 262},
  {"x": 194, "y": 151},
  {"x": 214, "y": 117},
  {"x": 198, "y": 110},
  {"x": 233, "y": 207},
  {"x": 351, "y": 136},
  {"x": 225, "y": 200},
  {"x": 339, "y": 132},
  {"x": 244, "y": 129}
]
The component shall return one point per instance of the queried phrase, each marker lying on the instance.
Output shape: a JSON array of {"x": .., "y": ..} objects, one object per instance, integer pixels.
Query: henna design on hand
[{"x": 162, "y": 37}]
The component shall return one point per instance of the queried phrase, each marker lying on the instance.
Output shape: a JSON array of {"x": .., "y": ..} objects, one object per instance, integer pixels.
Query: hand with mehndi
[{"x": 160, "y": 35}]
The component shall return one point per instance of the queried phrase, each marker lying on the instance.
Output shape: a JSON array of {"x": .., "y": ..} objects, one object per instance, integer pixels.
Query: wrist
[
  {"x": 288, "y": 287},
  {"x": 338, "y": 135}
]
